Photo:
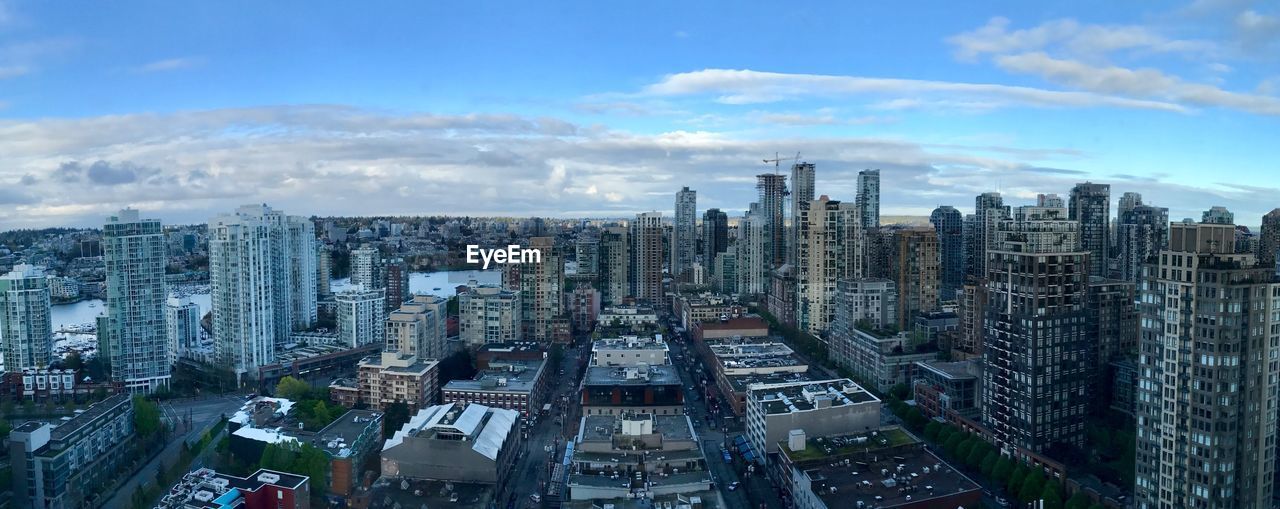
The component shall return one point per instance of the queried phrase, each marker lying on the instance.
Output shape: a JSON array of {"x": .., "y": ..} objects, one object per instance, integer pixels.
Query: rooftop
[
  {"x": 708, "y": 499},
  {"x": 409, "y": 493},
  {"x": 84, "y": 418},
  {"x": 511, "y": 376},
  {"x": 841, "y": 446},
  {"x": 338, "y": 437},
  {"x": 521, "y": 346},
  {"x": 805, "y": 396},
  {"x": 207, "y": 489},
  {"x": 603, "y": 427},
  {"x": 741, "y": 322},
  {"x": 486, "y": 427},
  {"x": 960, "y": 370},
  {"x": 655, "y": 375},
  {"x": 914, "y": 476},
  {"x": 630, "y": 343},
  {"x": 741, "y": 383}
]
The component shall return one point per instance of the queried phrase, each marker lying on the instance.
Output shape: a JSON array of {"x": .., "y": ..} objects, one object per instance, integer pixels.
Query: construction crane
[{"x": 777, "y": 161}]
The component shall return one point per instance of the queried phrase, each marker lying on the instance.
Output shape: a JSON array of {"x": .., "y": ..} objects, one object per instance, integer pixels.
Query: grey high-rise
[
  {"x": 646, "y": 257},
  {"x": 1127, "y": 202},
  {"x": 1091, "y": 206},
  {"x": 1206, "y": 391},
  {"x": 1037, "y": 348},
  {"x": 1218, "y": 215},
  {"x": 988, "y": 210},
  {"x": 715, "y": 237},
  {"x": 802, "y": 189},
  {"x": 772, "y": 189},
  {"x": 949, "y": 224},
  {"x": 684, "y": 235},
  {"x": 26, "y": 327},
  {"x": 1142, "y": 232},
  {"x": 615, "y": 265},
  {"x": 132, "y": 336},
  {"x": 1269, "y": 240},
  {"x": 868, "y": 199}
]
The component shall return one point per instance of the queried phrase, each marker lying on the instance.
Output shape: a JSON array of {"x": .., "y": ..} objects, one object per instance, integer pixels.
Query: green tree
[
  {"x": 1002, "y": 470},
  {"x": 146, "y": 417},
  {"x": 395, "y": 416},
  {"x": 73, "y": 361},
  {"x": 953, "y": 442},
  {"x": 292, "y": 388},
  {"x": 977, "y": 453},
  {"x": 1097, "y": 506},
  {"x": 915, "y": 419},
  {"x": 312, "y": 462},
  {"x": 1078, "y": 501},
  {"x": 5, "y": 428},
  {"x": 1015, "y": 479},
  {"x": 945, "y": 433},
  {"x": 931, "y": 430},
  {"x": 1032, "y": 487},
  {"x": 988, "y": 465},
  {"x": 963, "y": 450},
  {"x": 1051, "y": 496},
  {"x": 900, "y": 391}
]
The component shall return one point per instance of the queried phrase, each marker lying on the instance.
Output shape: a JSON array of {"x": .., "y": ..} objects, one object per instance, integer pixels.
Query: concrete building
[
  {"x": 628, "y": 315},
  {"x": 366, "y": 267},
  {"x": 725, "y": 273},
  {"x": 888, "y": 468},
  {"x": 715, "y": 238},
  {"x": 870, "y": 300},
  {"x": 949, "y": 225},
  {"x": 772, "y": 191},
  {"x": 652, "y": 389},
  {"x": 398, "y": 378},
  {"x": 468, "y": 443},
  {"x": 615, "y": 265},
  {"x": 684, "y": 235},
  {"x": 948, "y": 389},
  {"x": 1206, "y": 393},
  {"x": 737, "y": 365},
  {"x": 629, "y": 351},
  {"x": 820, "y": 408},
  {"x": 973, "y": 312},
  {"x": 132, "y": 337},
  {"x": 879, "y": 358},
  {"x": 636, "y": 455},
  {"x": 182, "y": 324},
  {"x": 26, "y": 327},
  {"x": 831, "y": 251},
  {"x": 1114, "y": 317},
  {"x": 324, "y": 269},
  {"x": 690, "y": 309},
  {"x": 418, "y": 327},
  {"x": 205, "y": 488},
  {"x": 647, "y": 257},
  {"x": 1037, "y": 345},
  {"x": 868, "y": 199},
  {"x": 64, "y": 288},
  {"x": 64, "y": 465},
  {"x": 262, "y": 270},
  {"x": 541, "y": 287},
  {"x": 513, "y": 385},
  {"x": 989, "y": 210},
  {"x": 583, "y": 306},
  {"x": 1091, "y": 206},
  {"x": 1269, "y": 240},
  {"x": 801, "y": 196},
  {"x": 782, "y": 294},
  {"x": 1142, "y": 231},
  {"x": 752, "y": 253},
  {"x": 361, "y": 316},
  {"x": 397, "y": 283},
  {"x": 916, "y": 272},
  {"x": 1218, "y": 215},
  {"x": 586, "y": 251},
  {"x": 489, "y": 314}
]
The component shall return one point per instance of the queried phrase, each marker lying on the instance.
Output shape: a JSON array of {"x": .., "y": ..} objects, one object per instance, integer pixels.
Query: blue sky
[{"x": 606, "y": 109}]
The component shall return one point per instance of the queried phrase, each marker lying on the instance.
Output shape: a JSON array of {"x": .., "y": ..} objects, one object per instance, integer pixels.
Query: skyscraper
[
  {"x": 361, "y": 316},
  {"x": 1206, "y": 392},
  {"x": 684, "y": 235},
  {"x": 772, "y": 189},
  {"x": 646, "y": 257},
  {"x": 587, "y": 254},
  {"x": 1036, "y": 348},
  {"x": 182, "y": 321},
  {"x": 988, "y": 210},
  {"x": 916, "y": 272},
  {"x": 868, "y": 199},
  {"x": 1142, "y": 232},
  {"x": 949, "y": 225},
  {"x": 802, "y": 186},
  {"x": 1218, "y": 215},
  {"x": 26, "y": 330},
  {"x": 831, "y": 250},
  {"x": 324, "y": 269},
  {"x": 1049, "y": 200},
  {"x": 1269, "y": 239},
  {"x": 615, "y": 265},
  {"x": 262, "y": 270},
  {"x": 752, "y": 255},
  {"x": 715, "y": 237},
  {"x": 366, "y": 267},
  {"x": 541, "y": 288},
  {"x": 1091, "y": 206},
  {"x": 132, "y": 334},
  {"x": 1128, "y": 201}
]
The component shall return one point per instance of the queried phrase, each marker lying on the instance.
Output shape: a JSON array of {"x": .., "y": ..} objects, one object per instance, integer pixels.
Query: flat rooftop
[
  {"x": 82, "y": 419},
  {"x": 709, "y": 499},
  {"x": 629, "y": 343},
  {"x": 655, "y": 375},
  {"x": 741, "y": 383},
  {"x": 741, "y": 322},
  {"x": 512, "y": 376},
  {"x": 602, "y": 427},
  {"x": 959, "y": 370},
  {"x": 912, "y": 477},
  {"x": 207, "y": 489},
  {"x": 520, "y": 346},
  {"x": 804, "y": 396},
  {"x": 820, "y": 448},
  {"x": 387, "y": 493},
  {"x": 338, "y": 437}
]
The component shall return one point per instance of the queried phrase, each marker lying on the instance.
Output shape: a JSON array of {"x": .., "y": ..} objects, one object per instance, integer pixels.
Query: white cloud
[
  {"x": 170, "y": 64},
  {"x": 1071, "y": 37}
]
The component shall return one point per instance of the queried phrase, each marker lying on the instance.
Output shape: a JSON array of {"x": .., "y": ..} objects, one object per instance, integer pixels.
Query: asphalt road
[
  {"x": 201, "y": 413},
  {"x": 532, "y": 470}
]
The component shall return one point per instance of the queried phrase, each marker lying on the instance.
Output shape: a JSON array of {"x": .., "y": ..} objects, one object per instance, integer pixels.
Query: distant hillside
[{"x": 905, "y": 220}]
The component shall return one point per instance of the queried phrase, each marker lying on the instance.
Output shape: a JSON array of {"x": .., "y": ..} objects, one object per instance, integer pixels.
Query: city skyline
[{"x": 1170, "y": 99}]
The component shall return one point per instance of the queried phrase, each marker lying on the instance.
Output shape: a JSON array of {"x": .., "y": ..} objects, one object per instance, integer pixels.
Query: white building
[
  {"x": 361, "y": 318},
  {"x": 820, "y": 408},
  {"x": 630, "y": 351},
  {"x": 26, "y": 332},
  {"x": 262, "y": 270},
  {"x": 488, "y": 314},
  {"x": 64, "y": 287},
  {"x": 418, "y": 327},
  {"x": 132, "y": 335},
  {"x": 182, "y": 321},
  {"x": 366, "y": 267}
]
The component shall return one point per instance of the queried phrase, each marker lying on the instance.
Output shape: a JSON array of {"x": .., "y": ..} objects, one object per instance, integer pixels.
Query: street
[{"x": 533, "y": 470}]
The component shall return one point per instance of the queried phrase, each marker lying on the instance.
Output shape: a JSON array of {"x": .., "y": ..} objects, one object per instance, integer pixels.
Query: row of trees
[
  {"x": 311, "y": 406},
  {"x": 305, "y": 460}
]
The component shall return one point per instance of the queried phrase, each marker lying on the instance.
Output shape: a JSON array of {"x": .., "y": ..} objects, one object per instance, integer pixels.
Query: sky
[{"x": 605, "y": 109}]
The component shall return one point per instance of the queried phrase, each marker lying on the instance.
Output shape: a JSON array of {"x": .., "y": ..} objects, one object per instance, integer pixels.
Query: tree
[
  {"x": 1051, "y": 496},
  {"x": 977, "y": 453},
  {"x": 312, "y": 462},
  {"x": 1078, "y": 501},
  {"x": 900, "y": 391},
  {"x": 1015, "y": 480},
  {"x": 146, "y": 417},
  {"x": 1032, "y": 487},
  {"x": 945, "y": 433},
  {"x": 5, "y": 429},
  {"x": 395, "y": 416},
  {"x": 963, "y": 450},
  {"x": 73, "y": 361},
  {"x": 953, "y": 442},
  {"x": 931, "y": 430},
  {"x": 292, "y": 388},
  {"x": 988, "y": 465},
  {"x": 1002, "y": 470},
  {"x": 1097, "y": 506}
]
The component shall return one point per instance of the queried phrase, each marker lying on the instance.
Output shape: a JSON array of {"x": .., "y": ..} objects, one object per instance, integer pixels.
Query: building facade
[
  {"x": 398, "y": 378},
  {"x": 488, "y": 314},
  {"x": 868, "y": 199},
  {"x": 63, "y": 466},
  {"x": 949, "y": 225},
  {"x": 132, "y": 336},
  {"x": 418, "y": 327},
  {"x": 26, "y": 327},
  {"x": 647, "y": 257},
  {"x": 916, "y": 272},
  {"x": 1091, "y": 205},
  {"x": 361, "y": 316},
  {"x": 684, "y": 235}
]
